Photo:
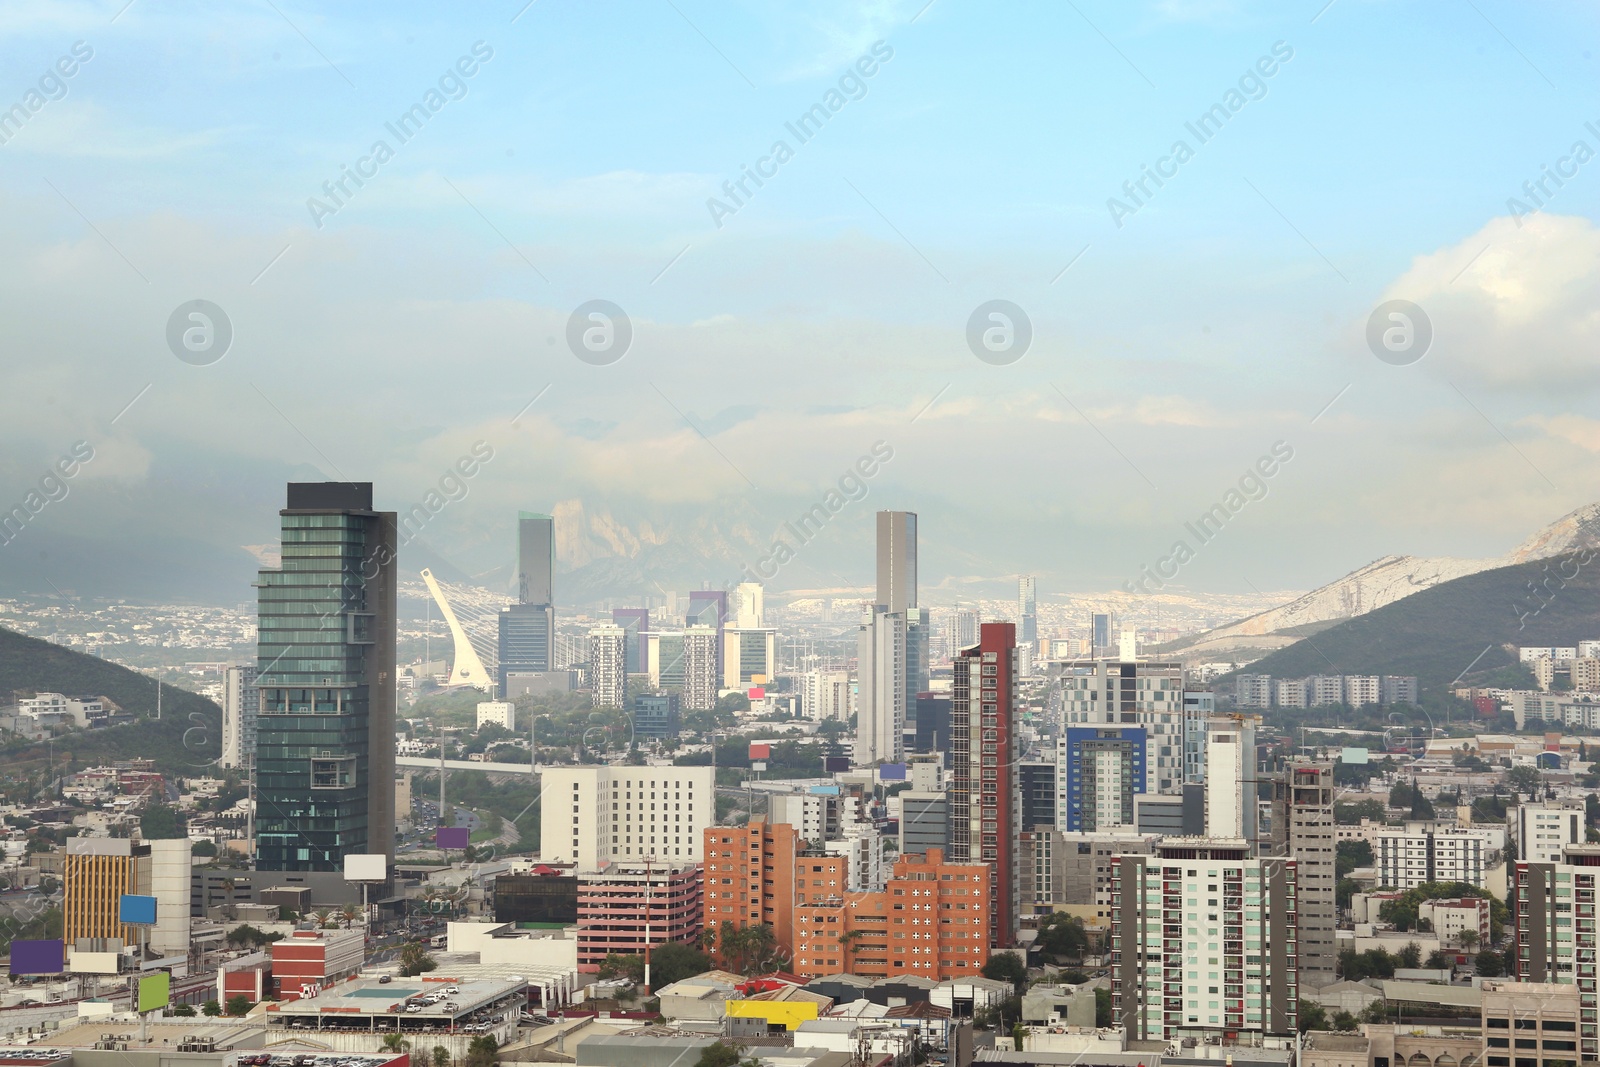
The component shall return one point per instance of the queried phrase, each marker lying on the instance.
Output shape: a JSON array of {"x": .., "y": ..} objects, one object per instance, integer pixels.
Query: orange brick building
[
  {"x": 757, "y": 873},
  {"x": 931, "y": 920}
]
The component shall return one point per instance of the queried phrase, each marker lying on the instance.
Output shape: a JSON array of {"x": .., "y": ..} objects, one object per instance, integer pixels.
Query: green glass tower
[{"x": 326, "y": 671}]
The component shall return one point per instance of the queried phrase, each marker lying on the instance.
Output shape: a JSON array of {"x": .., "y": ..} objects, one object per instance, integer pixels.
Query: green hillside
[
  {"x": 1437, "y": 633},
  {"x": 186, "y": 739}
]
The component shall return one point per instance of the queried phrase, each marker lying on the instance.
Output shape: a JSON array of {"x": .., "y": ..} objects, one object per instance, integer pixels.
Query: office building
[
  {"x": 933, "y": 722},
  {"x": 1253, "y": 691},
  {"x": 750, "y": 878},
  {"x": 931, "y": 920},
  {"x": 635, "y": 623},
  {"x": 1081, "y": 871},
  {"x": 700, "y": 657},
  {"x": 1101, "y": 769},
  {"x": 308, "y": 961},
  {"x": 1533, "y": 1024},
  {"x": 1422, "y": 853},
  {"x": 546, "y": 895},
  {"x": 923, "y": 821},
  {"x": 326, "y": 675},
  {"x": 1027, "y": 611},
  {"x": 655, "y": 716},
  {"x": 709, "y": 607},
  {"x": 1231, "y": 787},
  {"x": 1036, "y": 786},
  {"x": 1543, "y": 831},
  {"x": 596, "y": 815},
  {"x": 608, "y": 666},
  {"x": 1102, "y": 635},
  {"x": 1148, "y": 694},
  {"x": 630, "y": 905},
  {"x": 664, "y": 659},
  {"x": 527, "y": 629},
  {"x": 749, "y": 657},
  {"x": 1303, "y": 829},
  {"x": 1203, "y": 942},
  {"x": 240, "y": 703},
  {"x": 984, "y": 818},
  {"x": 1198, "y": 707},
  {"x": 95, "y": 873},
  {"x": 501, "y": 713},
  {"x": 827, "y": 695},
  {"x": 1172, "y": 815}
]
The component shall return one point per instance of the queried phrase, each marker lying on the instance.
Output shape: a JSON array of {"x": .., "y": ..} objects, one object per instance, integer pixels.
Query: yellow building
[
  {"x": 788, "y": 1014},
  {"x": 96, "y": 872}
]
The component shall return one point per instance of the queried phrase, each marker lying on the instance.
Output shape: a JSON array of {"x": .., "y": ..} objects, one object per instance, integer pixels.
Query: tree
[
  {"x": 1352, "y": 814},
  {"x": 1312, "y": 1016},
  {"x": 673, "y": 962},
  {"x": 1063, "y": 937},
  {"x": 414, "y": 960},
  {"x": 484, "y": 1051},
  {"x": 629, "y": 965},
  {"x": 1411, "y": 955},
  {"x": 395, "y": 1043},
  {"x": 184, "y": 1010},
  {"x": 1102, "y": 1008},
  {"x": 204, "y": 848},
  {"x": 1343, "y": 1020},
  {"x": 718, "y": 1054},
  {"x": 1524, "y": 780},
  {"x": 1007, "y": 967},
  {"x": 1421, "y": 806},
  {"x": 350, "y": 913},
  {"x": 1467, "y": 938},
  {"x": 1350, "y": 855},
  {"x": 1439, "y": 960},
  {"x": 238, "y": 1004},
  {"x": 211, "y": 1008},
  {"x": 441, "y": 1056},
  {"x": 1400, "y": 795},
  {"x": 1019, "y": 1035},
  {"x": 1490, "y": 964},
  {"x": 160, "y": 822}
]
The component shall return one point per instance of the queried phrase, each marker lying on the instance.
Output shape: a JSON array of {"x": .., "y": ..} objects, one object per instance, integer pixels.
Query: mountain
[
  {"x": 185, "y": 740},
  {"x": 1465, "y": 626},
  {"x": 1386, "y": 581}
]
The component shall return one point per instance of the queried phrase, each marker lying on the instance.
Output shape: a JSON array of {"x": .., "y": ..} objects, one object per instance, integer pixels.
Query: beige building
[
  {"x": 1320, "y": 1048},
  {"x": 1425, "y": 1046},
  {"x": 1531, "y": 1024}
]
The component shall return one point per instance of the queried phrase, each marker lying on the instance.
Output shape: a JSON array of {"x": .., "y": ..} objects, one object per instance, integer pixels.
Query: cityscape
[{"x": 831, "y": 535}]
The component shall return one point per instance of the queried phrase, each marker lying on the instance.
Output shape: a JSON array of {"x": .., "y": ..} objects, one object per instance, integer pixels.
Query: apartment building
[
  {"x": 1552, "y": 908},
  {"x": 931, "y": 920},
  {"x": 750, "y": 877},
  {"x": 1303, "y": 829},
  {"x": 1253, "y": 691},
  {"x": 1292, "y": 693},
  {"x": 1423, "y": 852},
  {"x": 1147, "y": 694},
  {"x": 1361, "y": 690},
  {"x": 1542, "y": 831},
  {"x": 592, "y": 816},
  {"x": 608, "y": 666},
  {"x": 1204, "y": 942}
]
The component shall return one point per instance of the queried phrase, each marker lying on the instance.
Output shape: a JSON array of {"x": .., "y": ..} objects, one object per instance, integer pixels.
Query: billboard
[
  {"x": 1353, "y": 756},
  {"x": 138, "y": 910},
  {"x": 835, "y": 764},
  {"x": 95, "y": 963},
  {"x": 366, "y": 867},
  {"x": 892, "y": 772},
  {"x": 760, "y": 751},
  {"x": 154, "y": 991},
  {"x": 452, "y": 836},
  {"x": 37, "y": 957}
]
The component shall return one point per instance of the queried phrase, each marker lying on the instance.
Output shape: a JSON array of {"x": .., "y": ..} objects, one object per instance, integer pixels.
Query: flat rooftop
[{"x": 404, "y": 1004}]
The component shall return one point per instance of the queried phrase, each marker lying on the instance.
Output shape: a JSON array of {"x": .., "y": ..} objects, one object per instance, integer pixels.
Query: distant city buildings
[
  {"x": 828, "y": 694},
  {"x": 608, "y": 666},
  {"x": 1260, "y": 691},
  {"x": 1027, "y": 611},
  {"x": 700, "y": 658},
  {"x": 1148, "y": 694}
]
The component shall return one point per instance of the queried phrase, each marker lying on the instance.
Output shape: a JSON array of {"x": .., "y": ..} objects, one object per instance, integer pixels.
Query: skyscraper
[
  {"x": 326, "y": 672},
  {"x": 749, "y": 646},
  {"x": 608, "y": 666},
  {"x": 636, "y": 623},
  {"x": 1027, "y": 611},
  {"x": 528, "y": 627},
  {"x": 1102, "y": 634},
  {"x": 1231, "y": 803},
  {"x": 1100, "y": 769},
  {"x": 985, "y": 820},
  {"x": 1303, "y": 829},
  {"x": 699, "y": 668},
  {"x": 709, "y": 607},
  {"x": 893, "y": 638}
]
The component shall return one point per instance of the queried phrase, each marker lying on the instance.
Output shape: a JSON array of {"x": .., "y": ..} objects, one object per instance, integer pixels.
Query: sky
[{"x": 1180, "y": 336}]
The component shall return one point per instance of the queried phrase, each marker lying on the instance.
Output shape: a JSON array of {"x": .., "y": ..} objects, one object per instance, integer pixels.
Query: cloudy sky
[{"x": 1355, "y": 153}]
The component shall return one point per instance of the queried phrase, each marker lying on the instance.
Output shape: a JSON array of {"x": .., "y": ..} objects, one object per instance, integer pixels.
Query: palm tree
[
  {"x": 395, "y": 1043},
  {"x": 322, "y": 916},
  {"x": 349, "y": 913},
  {"x": 441, "y": 1056},
  {"x": 847, "y": 944}
]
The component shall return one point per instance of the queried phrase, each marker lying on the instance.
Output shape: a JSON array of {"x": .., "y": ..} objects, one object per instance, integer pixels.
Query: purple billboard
[
  {"x": 452, "y": 836},
  {"x": 37, "y": 957}
]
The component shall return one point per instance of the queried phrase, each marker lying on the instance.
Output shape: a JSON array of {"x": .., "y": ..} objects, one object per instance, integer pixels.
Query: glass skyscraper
[
  {"x": 326, "y": 671},
  {"x": 527, "y": 636}
]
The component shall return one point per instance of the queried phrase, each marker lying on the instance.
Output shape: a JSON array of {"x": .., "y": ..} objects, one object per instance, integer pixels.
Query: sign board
[
  {"x": 365, "y": 867},
  {"x": 37, "y": 957},
  {"x": 760, "y": 751},
  {"x": 138, "y": 910},
  {"x": 155, "y": 991},
  {"x": 95, "y": 963},
  {"x": 452, "y": 836},
  {"x": 892, "y": 772},
  {"x": 1353, "y": 756}
]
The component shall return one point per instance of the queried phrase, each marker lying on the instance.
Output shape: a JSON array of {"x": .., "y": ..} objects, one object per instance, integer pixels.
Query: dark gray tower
[
  {"x": 325, "y": 665},
  {"x": 535, "y": 558}
]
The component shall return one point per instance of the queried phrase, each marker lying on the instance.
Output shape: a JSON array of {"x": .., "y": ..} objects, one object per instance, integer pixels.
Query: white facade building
[
  {"x": 608, "y": 666},
  {"x": 700, "y": 668},
  {"x": 241, "y": 701},
  {"x": 1325, "y": 689},
  {"x": 828, "y": 695},
  {"x": 596, "y": 815},
  {"x": 881, "y": 694},
  {"x": 1419, "y": 854},
  {"x": 1253, "y": 691},
  {"x": 1292, "y": 693},
  {"x": 1148, "y": 694},
  {"x": 1231, "y": 804},
  {"x": 1543, "y": 831},
  {"x": 1361, "y": 690},
  {"x": 497, "y": 712}
]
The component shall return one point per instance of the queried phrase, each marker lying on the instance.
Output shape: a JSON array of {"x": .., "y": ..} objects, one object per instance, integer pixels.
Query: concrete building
[
  {"x": 1303, "y": 829},
  {"x": 931, "y": 920},
  {"x": 170, "y": 864},
  {"x": 1083, "y": 871},
  {"x": 1325, "y": 689},
  {"x": 241, "y": 701},
  {"x": 750, "y": 877},
  {"x": 1171, "y": 911},
  {"x": 814, "y": 815},
  {"x": 1532, "y": 1024},
  {"x": 881, "y": 694},
  {"x": 608, "y": 666},
  {"x": 1231, "y": 788},
  {"x": 1292, "y": 693},
  {"x": 985, "y": 823},
  {"x": 1361, "y": 690},
  {"x": 923, "y": 821},
  {"x": 827, "y": 695},
  {"x": 630, "y": 904},
  {"x": 1320, "y": 1048},
  {"x": 1253, "y": 691},
  {"x": 1400, "y": 689},
  {"x": 1423, "y": 852},
  {"x": 656, "y": 716},
  {"x": 1542, "y": 831},
  {"x": 1198, "y": 706},
  {"x": 500, "y": 713},
  {"x": 308, "y": 961},
  {"x": 1146, "y": 694},
  {"x": 593, "y": 816}
]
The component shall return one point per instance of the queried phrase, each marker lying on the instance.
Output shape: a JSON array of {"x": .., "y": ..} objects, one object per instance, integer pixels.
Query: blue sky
[{"x": 829, "y": 310}]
